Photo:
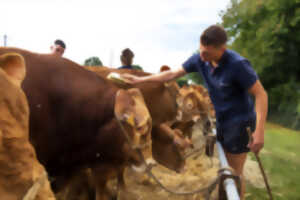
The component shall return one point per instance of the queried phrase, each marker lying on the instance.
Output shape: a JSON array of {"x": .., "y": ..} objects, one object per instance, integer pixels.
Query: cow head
[
  {"x": 187, "y": 102},
  {"x": 195, "y": 105},
  {"x": 133, "y": 115},
  {"x": 169, "y": 147},
  {"x": 192, "y": 105}
]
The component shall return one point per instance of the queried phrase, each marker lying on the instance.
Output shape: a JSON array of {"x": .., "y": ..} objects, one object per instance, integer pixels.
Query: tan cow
[
  {"x": 196, "y": 102},
  {"x": 194, "y": 106},
  {"x": 21, "y": 175}
]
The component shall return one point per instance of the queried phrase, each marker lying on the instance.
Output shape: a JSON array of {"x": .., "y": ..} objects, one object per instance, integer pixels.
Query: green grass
[{"x": 281, "y": 160}]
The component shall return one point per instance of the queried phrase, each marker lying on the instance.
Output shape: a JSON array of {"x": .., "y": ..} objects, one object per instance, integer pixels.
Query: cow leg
[
  {"x": 102, "y": 192},
  {"x": 121, "y": 187},
  {"x": 121, "y": 180},
  {"x": 101, "y": 175},
  {"x": 80, "y": 187},
  {"x": 185, "y": 127}
]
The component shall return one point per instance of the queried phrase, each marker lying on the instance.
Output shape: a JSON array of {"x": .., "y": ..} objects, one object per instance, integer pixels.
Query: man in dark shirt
[
  {"x": 126, "y": 59},
  {"x": 231, "y": 81}
]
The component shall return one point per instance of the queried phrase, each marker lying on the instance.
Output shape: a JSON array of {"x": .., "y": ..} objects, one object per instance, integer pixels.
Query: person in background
[
  {"x": 126, "y": 59},
  {"x": 58, "y": 48},
  {"x": 231, "y": 81}
]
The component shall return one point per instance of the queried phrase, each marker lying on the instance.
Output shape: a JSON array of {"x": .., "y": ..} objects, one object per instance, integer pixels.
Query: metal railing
[{"x": 229, "y": 183}]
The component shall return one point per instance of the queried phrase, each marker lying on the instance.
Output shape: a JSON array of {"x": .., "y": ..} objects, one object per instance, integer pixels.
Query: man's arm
[
  {"x": 261, "y": 107},
  {"x": 160, "y": 77}
]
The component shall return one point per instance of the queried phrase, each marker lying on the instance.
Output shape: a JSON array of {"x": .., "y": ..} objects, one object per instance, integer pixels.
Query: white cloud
[{"x": 158, "y": 31}]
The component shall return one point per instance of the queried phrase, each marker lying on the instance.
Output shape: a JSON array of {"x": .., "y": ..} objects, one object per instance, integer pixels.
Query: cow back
[{"x": 160, "y": 99}]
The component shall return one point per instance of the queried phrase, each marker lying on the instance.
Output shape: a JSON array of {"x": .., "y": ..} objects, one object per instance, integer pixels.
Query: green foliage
[
  {"x": 182, "y": 81},
  {"x": 194, "y": 78},
  {"x": 267, "y": 32},
  {"x": 138, "y": 67},
  {"x": 93, "y": 61}
]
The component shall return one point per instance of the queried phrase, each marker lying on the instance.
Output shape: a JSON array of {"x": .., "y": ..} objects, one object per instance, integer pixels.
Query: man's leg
[{"x": 237, "y": 161}]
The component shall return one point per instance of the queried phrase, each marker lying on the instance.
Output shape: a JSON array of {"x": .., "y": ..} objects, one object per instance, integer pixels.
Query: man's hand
[
  {"x": 131, "y": 79},
  {"x": 257, "y": 142}
]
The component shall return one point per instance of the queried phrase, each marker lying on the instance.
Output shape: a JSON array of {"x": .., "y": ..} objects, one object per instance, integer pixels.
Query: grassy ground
[{"x": 281, "y": 159}]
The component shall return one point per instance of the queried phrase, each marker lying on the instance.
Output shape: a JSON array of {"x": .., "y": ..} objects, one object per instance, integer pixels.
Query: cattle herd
[{"x": 60, "y": 121}]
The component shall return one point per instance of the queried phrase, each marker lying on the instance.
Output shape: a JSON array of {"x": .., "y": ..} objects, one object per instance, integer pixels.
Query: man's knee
[{"x": 237, "y": 161}]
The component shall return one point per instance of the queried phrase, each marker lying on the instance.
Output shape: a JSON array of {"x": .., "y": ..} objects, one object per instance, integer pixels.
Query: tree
[
  {"x": 93, "y": 61},
  {"x": 267, "y": 32},
  {"x": 194, "y": 78},
  {"x": 138, "y": 67}
]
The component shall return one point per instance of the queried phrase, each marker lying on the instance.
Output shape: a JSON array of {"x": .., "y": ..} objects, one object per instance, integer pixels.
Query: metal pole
[
  {"x": 5, "y": 40},
  {"x": 229, "y": 184},
  {"x": 111, "y": 58}
]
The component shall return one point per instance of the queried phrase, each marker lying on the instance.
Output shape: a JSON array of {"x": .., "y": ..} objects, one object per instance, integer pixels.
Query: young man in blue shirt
[{"x": 231, "y": 81}]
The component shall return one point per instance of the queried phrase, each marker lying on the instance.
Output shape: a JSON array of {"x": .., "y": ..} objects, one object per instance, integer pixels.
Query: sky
[{"x": 159, "y": 32}]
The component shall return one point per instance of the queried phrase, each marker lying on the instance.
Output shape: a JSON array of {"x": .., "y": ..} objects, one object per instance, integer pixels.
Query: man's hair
[
  {"x": 60, "y": 43},
  {"x": 214, "y": 35},
  {"x": 127, "y": 56}
]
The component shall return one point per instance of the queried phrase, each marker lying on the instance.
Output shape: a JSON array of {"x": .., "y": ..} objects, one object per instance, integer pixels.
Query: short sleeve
[
  {"x": 190, "y": 65},
  {"x": 245, "y": 74}
]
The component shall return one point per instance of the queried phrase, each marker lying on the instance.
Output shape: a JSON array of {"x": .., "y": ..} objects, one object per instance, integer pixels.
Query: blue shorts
[{"x": 234, "y": 139}]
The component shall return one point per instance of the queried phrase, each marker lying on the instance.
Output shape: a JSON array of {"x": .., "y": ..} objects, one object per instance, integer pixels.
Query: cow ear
[
  {"x": 13, "y": 65},
  {"x": 123, "y": 102},
  {"x": 142, "y": 113}
]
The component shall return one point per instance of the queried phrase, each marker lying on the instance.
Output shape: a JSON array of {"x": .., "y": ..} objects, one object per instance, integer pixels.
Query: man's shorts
[{"x": 234, "y": 139}]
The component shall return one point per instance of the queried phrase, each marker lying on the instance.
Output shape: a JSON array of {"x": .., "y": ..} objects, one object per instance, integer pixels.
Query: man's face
[
  {"x": 57, "y": 50},
  {"x": 211, "y": 53}
]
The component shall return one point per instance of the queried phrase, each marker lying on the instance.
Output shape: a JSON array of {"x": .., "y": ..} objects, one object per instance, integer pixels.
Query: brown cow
[
  {"x": 168, "y": 145},
  {"x": 21, "y": 175},
  {"x": 76, "y": 115}
]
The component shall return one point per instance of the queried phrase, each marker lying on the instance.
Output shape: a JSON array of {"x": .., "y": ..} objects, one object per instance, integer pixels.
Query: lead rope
[
  {"x": 208, "y": 189},
  {"x": 36, "y": 186}
]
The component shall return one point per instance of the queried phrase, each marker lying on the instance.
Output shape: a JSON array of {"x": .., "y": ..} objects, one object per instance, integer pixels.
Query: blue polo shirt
[
  {"x": 228, "y": 86},
  {"x": 126, "y": 67}
]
